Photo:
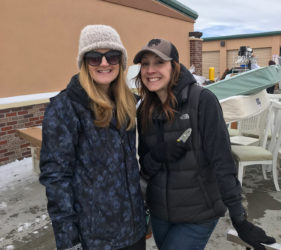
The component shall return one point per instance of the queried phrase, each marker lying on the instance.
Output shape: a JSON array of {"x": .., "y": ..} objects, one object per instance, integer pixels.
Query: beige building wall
[
  {"x": 263, "y": 48},
  {"x": 210, "y": 59},
  {"x": 262, "y": 55},
  {"x": 39, "y": 39},
  {"x": 231, "y": 57}
]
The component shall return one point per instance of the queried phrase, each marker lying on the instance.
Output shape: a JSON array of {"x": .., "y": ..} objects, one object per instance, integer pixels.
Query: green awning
[{"x": 247, "y": 83}]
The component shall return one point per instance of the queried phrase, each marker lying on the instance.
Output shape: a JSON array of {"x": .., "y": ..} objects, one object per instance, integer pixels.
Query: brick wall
[
  {"x": 196, "y": 54},
  {"x": 11, "y": 146}
]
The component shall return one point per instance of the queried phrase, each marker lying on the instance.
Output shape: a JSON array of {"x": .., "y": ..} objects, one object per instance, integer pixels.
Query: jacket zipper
[
  {"x": 167, "y": 183},
  {"x": 127, "y": 182},
  {"x": 160, "y": 139}
]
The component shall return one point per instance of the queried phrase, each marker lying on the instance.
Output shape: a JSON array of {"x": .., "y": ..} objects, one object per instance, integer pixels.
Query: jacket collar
[
  {"x": 186, "y": 79},
  {"x": 76, "y": 92}
]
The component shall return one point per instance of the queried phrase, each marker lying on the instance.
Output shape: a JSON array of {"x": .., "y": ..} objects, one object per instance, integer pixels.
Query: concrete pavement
[{"x": 25, "y": 224}]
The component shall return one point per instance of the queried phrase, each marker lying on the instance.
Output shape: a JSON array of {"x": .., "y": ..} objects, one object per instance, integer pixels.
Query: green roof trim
[
  {"x": 180, "y": 8},
  {"x": 271, "y": 33}
]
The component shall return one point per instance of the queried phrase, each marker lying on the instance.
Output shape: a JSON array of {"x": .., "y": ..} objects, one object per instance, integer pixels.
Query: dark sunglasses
[{"x": 94, "y": 58}]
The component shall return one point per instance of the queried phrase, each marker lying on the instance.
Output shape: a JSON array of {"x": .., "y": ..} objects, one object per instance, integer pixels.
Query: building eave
[
  {"x": 180, "y": 8},
  {"x": 240, "y": 36},
  {"x": 170, "y": 8}
]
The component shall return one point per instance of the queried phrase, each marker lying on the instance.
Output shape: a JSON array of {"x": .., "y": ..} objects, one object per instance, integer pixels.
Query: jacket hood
[
  {"x": 185, "y": 79},
  {"x": 76, "y": 92}
]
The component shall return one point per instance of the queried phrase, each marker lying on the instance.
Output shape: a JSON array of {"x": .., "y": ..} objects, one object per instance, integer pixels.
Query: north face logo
[
  {"x": 184, "y": 116},
  {"x": 154, "y": 42}
]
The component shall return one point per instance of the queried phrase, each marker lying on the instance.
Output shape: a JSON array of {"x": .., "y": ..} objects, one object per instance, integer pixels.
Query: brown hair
[
  {"x": 271, "y": 62},
  {"x": 103, "y": 106},
  {"x": 150, "y": 100}
]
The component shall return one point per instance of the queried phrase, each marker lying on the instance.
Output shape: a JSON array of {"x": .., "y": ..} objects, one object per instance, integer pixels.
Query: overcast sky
[{"x": 232, "y": 17}]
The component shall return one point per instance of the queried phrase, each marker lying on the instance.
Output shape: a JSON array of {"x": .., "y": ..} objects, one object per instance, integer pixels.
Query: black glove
[
  {"x": 252, "y": 234},
  {"x": 169, "y": 151}
]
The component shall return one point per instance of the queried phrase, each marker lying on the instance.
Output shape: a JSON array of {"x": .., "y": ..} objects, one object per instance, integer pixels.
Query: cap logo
[{"x": 154, "y": 42}]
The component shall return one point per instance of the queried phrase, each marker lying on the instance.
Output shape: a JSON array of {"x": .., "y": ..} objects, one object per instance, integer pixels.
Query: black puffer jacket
[
  {"x": 91, "y": 176},
  {"x": 188, "y": 191}
]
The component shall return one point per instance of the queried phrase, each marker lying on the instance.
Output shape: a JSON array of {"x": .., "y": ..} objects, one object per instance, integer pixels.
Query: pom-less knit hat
[
  {"x": 99, "y": 36},
  {"x": 162, "y": 48}
]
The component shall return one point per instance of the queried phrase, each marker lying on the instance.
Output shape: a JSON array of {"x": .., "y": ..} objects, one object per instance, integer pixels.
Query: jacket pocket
[{"x": 105, "y": 224}]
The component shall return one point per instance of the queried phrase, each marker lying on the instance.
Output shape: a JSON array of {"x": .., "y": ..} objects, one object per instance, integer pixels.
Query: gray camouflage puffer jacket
[{"x": 91, "y": 176}]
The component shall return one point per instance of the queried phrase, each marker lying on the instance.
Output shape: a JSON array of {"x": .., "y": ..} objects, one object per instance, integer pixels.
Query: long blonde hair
[{"x": 103, "y": 106}]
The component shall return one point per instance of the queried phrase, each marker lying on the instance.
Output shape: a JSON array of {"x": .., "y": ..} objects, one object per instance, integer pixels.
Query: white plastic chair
[
  {"x": 275, "y": 97},
  {"x": 255, "y": 125},
  {"x": 251, "y": 130},
  {"x": 267, "y": 153}
]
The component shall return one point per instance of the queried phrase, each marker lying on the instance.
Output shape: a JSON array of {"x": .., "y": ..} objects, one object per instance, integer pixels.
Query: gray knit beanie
[{"x": 100, "y": 37}]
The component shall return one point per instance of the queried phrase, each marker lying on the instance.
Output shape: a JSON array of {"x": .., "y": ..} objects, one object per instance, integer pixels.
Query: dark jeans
[
  {"x": 183, "y": 236},
  {"x": 139, "y": 245}
]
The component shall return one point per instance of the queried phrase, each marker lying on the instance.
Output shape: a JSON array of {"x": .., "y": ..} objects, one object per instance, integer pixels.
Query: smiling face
[
  {"x": 156, "y": 74},
  {"x": 105, "y": 73}
]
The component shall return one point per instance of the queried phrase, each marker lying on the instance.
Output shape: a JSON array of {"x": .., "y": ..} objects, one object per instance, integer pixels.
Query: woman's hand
[
  {"x": 252, "y": 234},
  {"x": 169, "y": 151}
]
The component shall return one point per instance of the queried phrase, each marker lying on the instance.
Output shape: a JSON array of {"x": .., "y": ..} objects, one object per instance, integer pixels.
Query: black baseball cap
[{"x": 161, "y": 47}]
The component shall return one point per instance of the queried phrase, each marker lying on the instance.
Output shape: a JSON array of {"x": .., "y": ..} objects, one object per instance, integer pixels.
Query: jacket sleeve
[
  {"x": 217, "y": 151},
  {"x": 57, "y": 160}
]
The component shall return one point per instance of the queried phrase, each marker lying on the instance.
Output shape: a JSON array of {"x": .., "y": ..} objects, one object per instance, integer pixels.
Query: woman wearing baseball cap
[
  {"x": 185, "y": 155},
  {"x": 88, "y": 158}
]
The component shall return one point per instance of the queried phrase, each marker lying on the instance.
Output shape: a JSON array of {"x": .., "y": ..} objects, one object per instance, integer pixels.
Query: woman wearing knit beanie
[{"x": 88, "y": 157}]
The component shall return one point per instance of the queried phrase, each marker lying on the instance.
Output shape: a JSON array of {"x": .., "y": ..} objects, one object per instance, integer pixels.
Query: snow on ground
[
  {"x": 13, "y": 173},
  {"x": 22, "y": 204},
  {"x": 25, "y": 98},
  {"x": 25, "y": 223}
]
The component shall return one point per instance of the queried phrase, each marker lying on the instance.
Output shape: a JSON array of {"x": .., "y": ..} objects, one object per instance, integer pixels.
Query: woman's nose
[
  {"x": 104, "y": 62},
  {"x": 150, "y": 68}
]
